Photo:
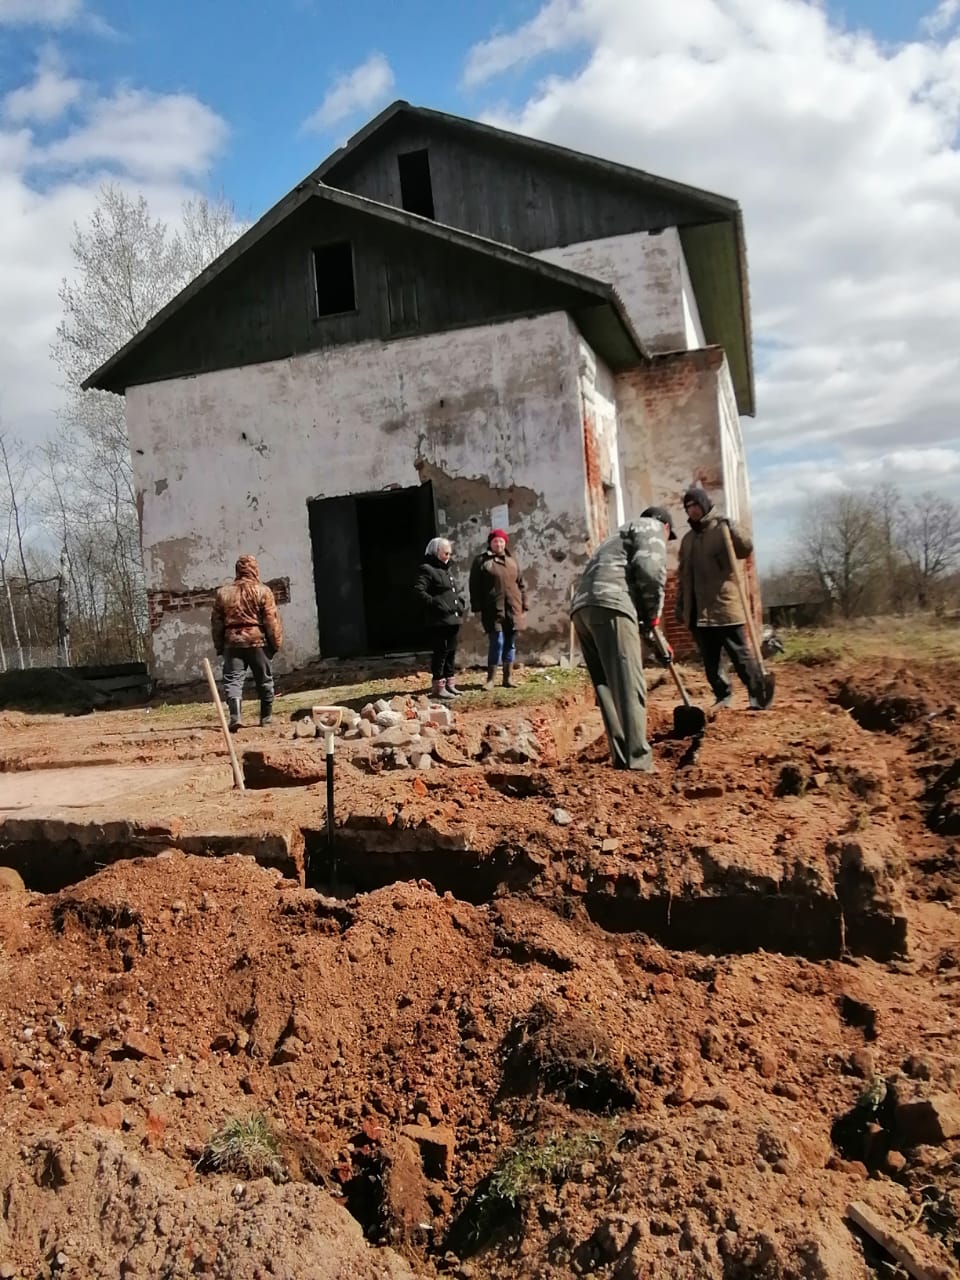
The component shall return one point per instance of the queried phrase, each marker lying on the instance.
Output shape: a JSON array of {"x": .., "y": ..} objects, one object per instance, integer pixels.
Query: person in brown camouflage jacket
[{"x": 247, "y": 633}]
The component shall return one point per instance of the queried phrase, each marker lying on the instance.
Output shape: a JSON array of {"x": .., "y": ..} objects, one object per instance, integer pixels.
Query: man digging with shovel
[
  {"x": 711, "y": 601},
  {"x": 619, "y": 596}
]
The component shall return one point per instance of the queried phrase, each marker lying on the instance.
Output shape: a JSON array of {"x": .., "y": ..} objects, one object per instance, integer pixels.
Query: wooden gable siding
[
  {"x": 509, "y": 193},
  {"x": 263, "y": 306}
]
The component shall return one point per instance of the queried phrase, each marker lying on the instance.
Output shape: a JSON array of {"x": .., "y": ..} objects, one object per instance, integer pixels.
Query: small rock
[
  {"x": 305, "y": 728},
  {"x": 791, "y": 1091},
  {"x": 425, "y": 761},
  {"x": 291, "y": 1050},
  {"x": 365, "y": 729},
  {"x": 722, "y": 1100},
  {"x": 111, "y": 1116},
  {"x": 705, "y": 791},
  {"x": 141, "y": 1046},
  {"x": 388, "y": 719},
  {"x": 861, "y": 1064},
  {"x": 610, "y": 846},
  {"x": 929, "y": 1121},
  {"x": 683, "y": 1091},
  {"x": 7, "y": 1271},
  {"x": 400, "y": 735},
  {"x": 561, "y": 817},
  {"x": 918, "y": 1068},
  {"x": 436, "y": 1145},
  {"x": 178, "y": 906},
  {"x": 368, "y": 713},
  {"x": 895, "y": 1163},
  {"x": 767, "y": 1066}
]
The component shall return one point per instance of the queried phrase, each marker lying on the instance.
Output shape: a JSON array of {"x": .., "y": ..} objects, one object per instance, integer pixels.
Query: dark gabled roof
[
  {"x": 596, "y": 306},
  {"x": 565, "y": 155},
  {"x": 714, "y": 244}
]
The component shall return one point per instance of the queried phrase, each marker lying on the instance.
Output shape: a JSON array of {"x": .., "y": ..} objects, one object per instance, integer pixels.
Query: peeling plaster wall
[
  {"x": 492, "y": 415},
  {"x": 648, "y": 272},
  {"x": 598, "y": 399}
]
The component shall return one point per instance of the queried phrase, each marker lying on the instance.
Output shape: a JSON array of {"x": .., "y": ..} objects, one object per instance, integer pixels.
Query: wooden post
[{"x": 214, "y": 693}]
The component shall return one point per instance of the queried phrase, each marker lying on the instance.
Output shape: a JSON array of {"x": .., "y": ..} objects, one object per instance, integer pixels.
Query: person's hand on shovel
[{"x": 661, "y": 646}]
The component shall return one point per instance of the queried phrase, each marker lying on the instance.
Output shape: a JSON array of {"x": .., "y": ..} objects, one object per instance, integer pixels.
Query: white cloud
[
  {"x": 942, "y": 18},
  {"x": 558, "y": 24},
  {"x": 49, "y": 94},
  {"x": 361, "y": 89},
  {"x": 843, "y": 152},
  {"x": 147, "y": 143},
  {"x": 142, "y": 134},
  {"x": 53, "y": 13}
]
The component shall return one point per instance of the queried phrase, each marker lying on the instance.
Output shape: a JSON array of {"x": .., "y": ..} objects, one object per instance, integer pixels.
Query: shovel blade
[
  {"x": 688, "y": 721},
  {"x": 768, "y": 685}
]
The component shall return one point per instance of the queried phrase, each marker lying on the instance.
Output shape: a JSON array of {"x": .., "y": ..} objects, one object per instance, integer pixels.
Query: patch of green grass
[
  {"x": 920, "y": 638},
  {"x": 523, "y": 1168},
  {"x": 245, "y": 1146}
]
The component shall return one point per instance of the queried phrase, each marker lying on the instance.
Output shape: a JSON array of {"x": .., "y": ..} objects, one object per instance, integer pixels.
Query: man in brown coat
[
  {"x": 708, "y": 601},
  {"x": 247, "y": 632}
]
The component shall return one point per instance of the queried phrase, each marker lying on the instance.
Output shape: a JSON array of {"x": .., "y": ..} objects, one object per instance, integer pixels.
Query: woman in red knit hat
[{"x": 498, "y": 594}]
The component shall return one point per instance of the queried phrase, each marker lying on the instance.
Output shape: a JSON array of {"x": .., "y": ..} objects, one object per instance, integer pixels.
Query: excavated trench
[{"x": 51, "y": 856}]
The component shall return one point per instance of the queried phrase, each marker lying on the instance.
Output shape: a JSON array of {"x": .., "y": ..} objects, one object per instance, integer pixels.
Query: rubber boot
[
  {"x": 266, "y": 711},
  {"x": 489, "y": 686},
  {"x": 436, "y": 689},
  {"x": 233, "y": 706},
  {"x": 445, "y": 693},
  {"x": 507, "y": 673},
  {"x": 452, "y": 690}
]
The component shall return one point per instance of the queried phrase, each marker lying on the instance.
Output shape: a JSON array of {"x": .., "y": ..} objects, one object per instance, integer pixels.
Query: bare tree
[
  {"x": 128, "y": 265},
  {"x": 843, "y": 546},
  {"x": 929, "y": 537}
]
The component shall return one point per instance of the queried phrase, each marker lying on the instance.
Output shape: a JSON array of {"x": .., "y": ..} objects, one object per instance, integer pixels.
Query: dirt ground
[{"x": 527, "y": 1017}]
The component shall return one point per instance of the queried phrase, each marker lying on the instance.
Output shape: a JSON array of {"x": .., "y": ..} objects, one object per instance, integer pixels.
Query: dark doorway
[{"x": 367, "y": 548}]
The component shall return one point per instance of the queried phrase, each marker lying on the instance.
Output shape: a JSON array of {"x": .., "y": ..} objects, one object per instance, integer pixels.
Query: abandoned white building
[{"x": 445, "y": 327}]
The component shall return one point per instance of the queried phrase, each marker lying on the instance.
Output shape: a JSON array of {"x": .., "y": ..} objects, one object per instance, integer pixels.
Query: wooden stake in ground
[
  {"x": 898, "y": 1247},
  {"x": 215, "y": 695}
]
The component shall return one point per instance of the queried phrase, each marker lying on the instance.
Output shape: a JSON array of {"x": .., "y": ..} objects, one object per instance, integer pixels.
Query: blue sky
[
  {"x": 835, "y": 125},
  {"x": 264, "y": 75}
]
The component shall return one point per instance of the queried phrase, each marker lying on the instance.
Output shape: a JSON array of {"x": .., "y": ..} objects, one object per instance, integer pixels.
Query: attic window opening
[
  {"x": 333, "y": 281},
  {"x": 416, "y": 189}
]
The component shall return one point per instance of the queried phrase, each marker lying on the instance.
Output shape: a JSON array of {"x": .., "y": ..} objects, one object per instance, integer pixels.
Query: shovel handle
[
  {"x": 214, "y": 694},
  {"x": 744, "y": 603},
  {"x": 663, "y": 648}
]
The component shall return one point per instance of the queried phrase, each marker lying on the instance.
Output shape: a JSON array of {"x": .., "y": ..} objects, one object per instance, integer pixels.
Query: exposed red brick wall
[
  {"x": 678, "y": 635},
  {"x": 161, "y": 602}
]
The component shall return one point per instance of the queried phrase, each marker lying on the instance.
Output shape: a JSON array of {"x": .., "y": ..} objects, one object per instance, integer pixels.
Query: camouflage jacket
[
  {"x": 627, "y": 573},
  {"x": 245, "y": 612},
  {"x": 707, "y": 593}
]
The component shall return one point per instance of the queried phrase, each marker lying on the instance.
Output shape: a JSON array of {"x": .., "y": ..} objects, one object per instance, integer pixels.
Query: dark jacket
[
  {"x": 443, "y": 604},
  {"x": 497, "y": 592},
  {"x": 706, "y": 589},
  {"x": 627, "y": 573},
  {"x": 244, "y": 614}
]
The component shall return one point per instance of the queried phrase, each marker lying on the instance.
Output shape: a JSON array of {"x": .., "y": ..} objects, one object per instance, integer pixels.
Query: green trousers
[{"x": 611, "y": 648}]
